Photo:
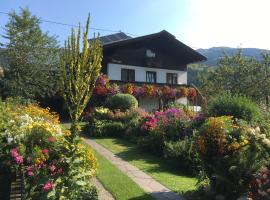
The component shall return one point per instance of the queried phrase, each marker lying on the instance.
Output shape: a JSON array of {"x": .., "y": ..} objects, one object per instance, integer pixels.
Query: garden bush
[
  {"x": 122, "y": 102},
  {"x": 34, "y": 144},
  {"x": 105, "y": 122},
  {"x": 184, "y": 152},
  {"x": 170, "y": 125},
  {"x": 231, "y": 151},
  {"x": 114, "y": 129},
  {"x": 237, "y": 106}
]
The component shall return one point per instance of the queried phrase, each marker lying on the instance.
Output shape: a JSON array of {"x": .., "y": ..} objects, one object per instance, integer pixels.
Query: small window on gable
[{"x": 128, "y": 75}]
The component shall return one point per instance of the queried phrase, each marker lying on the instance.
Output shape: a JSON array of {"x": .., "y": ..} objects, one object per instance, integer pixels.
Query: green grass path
[
  {"x": 164, "y": 172},
  {"x": 117, "y": 183}
]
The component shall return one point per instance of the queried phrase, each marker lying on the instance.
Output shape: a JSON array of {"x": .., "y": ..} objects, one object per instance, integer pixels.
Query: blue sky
[{"x": 198, "y": 23}]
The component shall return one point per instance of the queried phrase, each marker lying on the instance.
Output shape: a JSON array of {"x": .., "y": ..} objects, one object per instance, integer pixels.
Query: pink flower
[
  {"x": 60, "y": 170},
  {"x": 14, "y": 152},
  {"x": 150, "y": 124},
  {"x": 18, "y": 159},
  {"x": 30, "y": 173},
  {"x": 51, "y": 139},
  {"x": 45, "y": 151},
  {"x": 48, "y": 186},
  {"x": 29, "y": 170},
  {"x": 52, "y": 168}
]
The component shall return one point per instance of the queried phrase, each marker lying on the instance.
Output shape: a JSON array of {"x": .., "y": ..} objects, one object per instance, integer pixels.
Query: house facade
[{"x": 157, "y": 58}]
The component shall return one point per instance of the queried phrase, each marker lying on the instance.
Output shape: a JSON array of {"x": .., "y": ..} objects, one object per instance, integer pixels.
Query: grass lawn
[
  {"x": 117, "y": 183},
  {"x": 164, "y": 172}
]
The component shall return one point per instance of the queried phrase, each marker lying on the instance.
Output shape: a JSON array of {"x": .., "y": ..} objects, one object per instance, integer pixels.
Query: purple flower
[
  {"x": 101, "y": 80},
  {"x": 138, "y": 91},
  {"x": 173, "y": 112},
  {"x": 114, "y": 90},
  {"x": 41, "y": 165}
]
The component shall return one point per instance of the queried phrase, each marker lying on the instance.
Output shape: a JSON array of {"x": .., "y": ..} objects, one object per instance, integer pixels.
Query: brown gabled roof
[{"x": 176, "y": 45}]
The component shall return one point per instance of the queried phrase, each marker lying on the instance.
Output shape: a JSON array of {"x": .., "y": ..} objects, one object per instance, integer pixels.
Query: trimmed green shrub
[
  {"x": 237, "y": 106},
  {"x": 122, "y": 101},
  {"x": 100, "y": 128}
]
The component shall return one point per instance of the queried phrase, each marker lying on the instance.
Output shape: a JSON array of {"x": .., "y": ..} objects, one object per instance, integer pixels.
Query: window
[
  {"x": 151, "y": 77},
  {"x": 127, "y": 74},
  {"x": 172, "y": 78}
]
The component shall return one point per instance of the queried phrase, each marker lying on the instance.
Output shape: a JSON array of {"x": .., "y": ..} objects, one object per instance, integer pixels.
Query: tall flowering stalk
[{"x": 80, "y": 70}]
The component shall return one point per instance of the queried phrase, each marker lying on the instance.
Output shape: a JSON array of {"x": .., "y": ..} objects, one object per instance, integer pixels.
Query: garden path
[
  {"x": 103, "y": 194},
  {"x": 147, "y": 183}
]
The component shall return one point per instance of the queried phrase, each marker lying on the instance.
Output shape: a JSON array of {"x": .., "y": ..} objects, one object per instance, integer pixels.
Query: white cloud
[{"x": 229, "y": 23}]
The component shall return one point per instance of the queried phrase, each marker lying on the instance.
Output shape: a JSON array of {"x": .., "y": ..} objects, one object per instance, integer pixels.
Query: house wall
[{"x": 114, "y": 73}]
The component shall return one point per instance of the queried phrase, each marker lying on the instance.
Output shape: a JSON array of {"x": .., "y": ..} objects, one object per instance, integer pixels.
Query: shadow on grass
[
  {"x": 5, "y": 180},
  {"x": 158, "y": 164}
]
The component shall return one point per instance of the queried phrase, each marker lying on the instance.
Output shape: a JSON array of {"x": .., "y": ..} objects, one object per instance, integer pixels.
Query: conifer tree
[{"x": 32, "y": 58}]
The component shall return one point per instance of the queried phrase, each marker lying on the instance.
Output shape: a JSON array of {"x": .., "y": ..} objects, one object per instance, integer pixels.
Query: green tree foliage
[
  {"x": 80, "y": 70},
  {"x": 32, "y": 57},
  {"x": 237, "y": 106},
  {"x": 195, "y": 71},
  {"x": 239, "y": 75}
]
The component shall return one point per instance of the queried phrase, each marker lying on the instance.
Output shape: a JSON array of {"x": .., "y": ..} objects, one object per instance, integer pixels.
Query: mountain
[{"x": 215, "y": 53}]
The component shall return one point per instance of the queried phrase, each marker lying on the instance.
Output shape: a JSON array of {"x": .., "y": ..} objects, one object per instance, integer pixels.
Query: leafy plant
[
  {"x": 33, "y": 143},
  {"x": 184, "y": 152},
  {"x": 237, "y": 106},
  {"x": 80, "y": 70},
  {"x": 230, "y": 153}
]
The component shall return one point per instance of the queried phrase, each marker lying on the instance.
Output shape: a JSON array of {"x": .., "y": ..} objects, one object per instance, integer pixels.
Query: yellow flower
[
  {"x": 201, "y": 145},
  {"x": 234, "y": 146}
]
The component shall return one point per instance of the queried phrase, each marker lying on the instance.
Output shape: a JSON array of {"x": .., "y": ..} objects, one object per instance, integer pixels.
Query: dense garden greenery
[
  {"x": 225, "y": 146},
  {"x": 33, "y": 144}
]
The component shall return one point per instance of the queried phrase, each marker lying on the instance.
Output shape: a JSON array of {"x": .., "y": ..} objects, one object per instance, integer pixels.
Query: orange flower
[
  {"x": 184, "y": 91},
  {"x": 128, "y": 88}
]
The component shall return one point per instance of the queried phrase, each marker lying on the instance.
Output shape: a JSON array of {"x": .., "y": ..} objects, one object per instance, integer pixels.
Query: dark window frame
[
  {"x": 172, "y": 78},
  {"x": 130, "y": 75},
  {"x": 152, "y": 73}
]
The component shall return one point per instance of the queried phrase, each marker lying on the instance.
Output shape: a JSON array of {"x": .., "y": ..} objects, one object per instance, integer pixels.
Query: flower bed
[
  {"x": 231, "y": 151},
  {"x": 162, "y": 133},
  {"x": 34, "y": 144},
  {"x": 104, "y": 88}
]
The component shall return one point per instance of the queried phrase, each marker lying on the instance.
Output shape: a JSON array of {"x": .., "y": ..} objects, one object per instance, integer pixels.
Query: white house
[{"x": 158, "y": 58}]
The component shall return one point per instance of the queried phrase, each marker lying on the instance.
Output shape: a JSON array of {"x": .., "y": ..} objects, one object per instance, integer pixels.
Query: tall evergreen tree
[
  {"x": 80, "y": 70},
  {"x": 33, "y": 57}
]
